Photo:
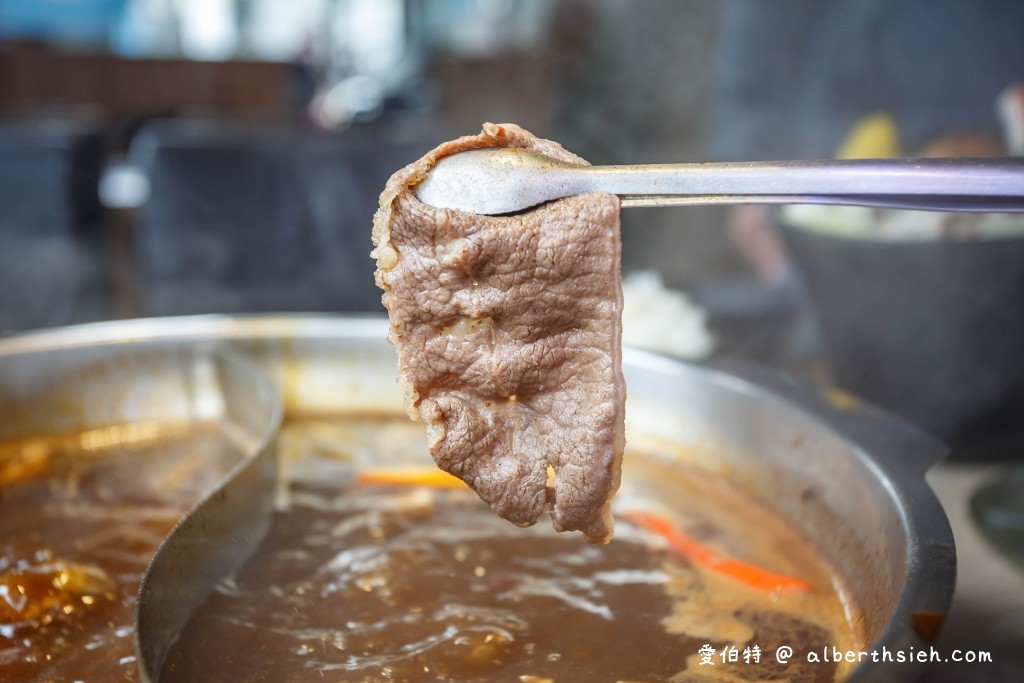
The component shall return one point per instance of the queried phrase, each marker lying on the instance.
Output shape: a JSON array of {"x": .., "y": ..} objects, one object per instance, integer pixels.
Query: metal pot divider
[
  {"x": 217, "y": 535},
  {"x": 66, "y": 390}
]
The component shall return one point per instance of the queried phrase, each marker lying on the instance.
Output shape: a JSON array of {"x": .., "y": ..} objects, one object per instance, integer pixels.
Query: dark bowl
[{"x": 932, "y": 330}]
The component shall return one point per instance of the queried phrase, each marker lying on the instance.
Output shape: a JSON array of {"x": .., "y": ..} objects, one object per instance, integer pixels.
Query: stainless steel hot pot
[{"x": 849, "y": 476}]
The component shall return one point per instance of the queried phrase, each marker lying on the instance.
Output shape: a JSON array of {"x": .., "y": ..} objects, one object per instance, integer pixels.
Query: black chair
[
  {"x": 50, "y": 217},
  {"x": 244, "y": 218}
]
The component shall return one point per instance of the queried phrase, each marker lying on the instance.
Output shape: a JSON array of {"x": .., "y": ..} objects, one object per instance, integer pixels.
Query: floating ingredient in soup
[{"x": 33, "y": 593}]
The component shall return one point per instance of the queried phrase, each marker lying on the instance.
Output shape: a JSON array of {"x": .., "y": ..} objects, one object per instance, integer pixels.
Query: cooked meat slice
[{"x": 508, "y": 335}]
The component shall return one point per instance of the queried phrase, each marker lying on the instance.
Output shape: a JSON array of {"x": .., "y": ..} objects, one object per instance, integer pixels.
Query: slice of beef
[{"x": 508, "y": 335}]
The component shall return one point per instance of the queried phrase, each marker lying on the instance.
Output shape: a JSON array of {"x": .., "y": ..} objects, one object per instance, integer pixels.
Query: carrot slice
[
  {"x": 690, "y": 548},
  {"x": 409, "y": 476}
]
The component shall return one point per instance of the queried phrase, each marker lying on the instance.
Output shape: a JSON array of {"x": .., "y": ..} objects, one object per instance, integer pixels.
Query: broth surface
[
  {"x": 80, "y": 518},
  {"x": 405, "y": 583},
  {"x": 389, "y": 583}
]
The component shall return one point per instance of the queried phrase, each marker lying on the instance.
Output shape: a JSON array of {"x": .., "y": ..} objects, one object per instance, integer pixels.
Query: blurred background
[
  {"x": 185, "y": 156},
  {"x": 166, "y": 157}
]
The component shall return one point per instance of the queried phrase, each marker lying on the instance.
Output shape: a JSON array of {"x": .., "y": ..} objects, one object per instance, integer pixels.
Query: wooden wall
[{"x": 33, "y": 77}]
